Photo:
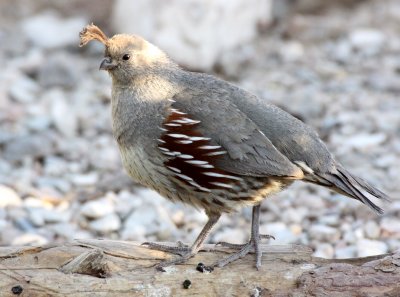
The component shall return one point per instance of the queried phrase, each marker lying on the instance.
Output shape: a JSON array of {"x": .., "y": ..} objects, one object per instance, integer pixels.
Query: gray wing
[{"x": 249, "y": 151}]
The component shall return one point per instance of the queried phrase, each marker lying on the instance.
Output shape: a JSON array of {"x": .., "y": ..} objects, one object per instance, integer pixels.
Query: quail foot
[{"x": 202, "y": 141}]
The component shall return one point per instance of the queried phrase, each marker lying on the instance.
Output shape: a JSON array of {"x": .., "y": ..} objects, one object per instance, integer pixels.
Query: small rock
[
  {"x": 106, "y": 224},
  {"x": 342, "y": 52},
  {"x": 41, "y": 216},
  {"x": 133, "y": 232},
  {"x": 372, "y": 230},
  {"x": 324, "y": 233},
  {"x": 363, "y": 140},
  {"x": 3, "y": 224},
  {"x": 84, "y": 180},
  {"x": 366, "y": 40},
  {"x": 24, "y": 90},
  {"x": 49, "y": 30},
  {"x": 62, "y": 114},
  {"x": 294, "y": 215},
  {"x": 291, "y": 51},
  {"x": 125, "y": 203},
  {"x": 98, "y": 208},
  {"x": 8, "y": 197},
  {"x": 367, "y": 247},
  {"x": 345, "y": 252},
  {"x": 324, "y": 250},
  {"x": 191, "y": 43},
  {"x": 65, "y": 230},
  {"x": 29, "y": 239},
  {"x": 282, "y": 234},
  {"x": 332, "y": 220},
  {"x": 231, "y": 236},
  {"x": 37, "y": 145},
  {"x": 391, "y": 225},
  {"x": 60, "y": 70},
  {"x": 38, "y": 123},
  {"x": 23, "y": 224}
]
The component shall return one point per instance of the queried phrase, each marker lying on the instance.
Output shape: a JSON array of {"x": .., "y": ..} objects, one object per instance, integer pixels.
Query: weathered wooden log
[{"x": 116, "y": 268}]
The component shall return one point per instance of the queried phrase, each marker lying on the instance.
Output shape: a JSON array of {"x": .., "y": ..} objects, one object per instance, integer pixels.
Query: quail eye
[{"x": 126, "y": 57}]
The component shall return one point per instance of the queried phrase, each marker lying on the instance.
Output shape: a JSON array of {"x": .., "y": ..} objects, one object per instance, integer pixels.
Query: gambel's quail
[{"x": 202, "y": 141}]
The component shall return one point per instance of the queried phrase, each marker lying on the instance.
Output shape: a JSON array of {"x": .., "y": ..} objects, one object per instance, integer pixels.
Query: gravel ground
[{"x": 60, "y": 172}]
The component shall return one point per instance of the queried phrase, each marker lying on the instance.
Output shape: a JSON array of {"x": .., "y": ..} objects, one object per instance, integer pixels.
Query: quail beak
[{"x": 107, "y": 64}]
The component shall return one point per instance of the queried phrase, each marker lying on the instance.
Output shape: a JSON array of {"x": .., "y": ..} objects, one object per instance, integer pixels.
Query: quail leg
[
  {"x": 252, "y": 246},
  {"x": 183, "y": 251}
]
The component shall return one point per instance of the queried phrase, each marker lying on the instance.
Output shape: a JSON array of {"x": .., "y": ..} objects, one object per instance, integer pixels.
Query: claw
[{"x": 266, "y": 236}]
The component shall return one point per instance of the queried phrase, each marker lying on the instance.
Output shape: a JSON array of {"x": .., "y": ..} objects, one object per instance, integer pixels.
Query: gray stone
[
  {"x": 38, "y": 123},
  {"x": 191, "y": 43},
  {"x": 324, "y": 250},
  {"x": 41, "y": 216},
  {"x": 391, "y": 225},
  {"x": 367, "y": 247},
  {"x": 291, "y": 51},
  {"x": 49, "y": 30},
  {"x": 65, "y": 230},
  {"x": 231, "y": 236},
  {"x": 85, "y": 180},
  {"x": 369, "y": 41},
  {"x": 372, "y": 230},
  {"x": 60, "y": 70},
  {"x": 37, "y": 145},
  {"x": 24, "y": 90},
  {"x": 324, "y": 233},
  {"x": 282, "y": 234},
  {"x": 8, "y": 197},
  {"x": 345, "y": 252},
  {"x": 98, "y": 208},
  {"x": 29, "y": 239},
  {"x": 62, "y": 115},
  {"x": 106, "y": 224}
]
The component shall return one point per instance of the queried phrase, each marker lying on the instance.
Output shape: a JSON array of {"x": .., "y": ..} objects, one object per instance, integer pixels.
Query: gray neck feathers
[{"x": 139, "y": 109}]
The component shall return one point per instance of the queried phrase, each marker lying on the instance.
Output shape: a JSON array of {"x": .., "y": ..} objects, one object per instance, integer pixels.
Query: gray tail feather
[{"x": 352, "y": 186}]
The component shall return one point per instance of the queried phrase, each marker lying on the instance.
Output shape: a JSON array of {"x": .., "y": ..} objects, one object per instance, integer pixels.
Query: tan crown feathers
[{"x": 91, "y": 32}]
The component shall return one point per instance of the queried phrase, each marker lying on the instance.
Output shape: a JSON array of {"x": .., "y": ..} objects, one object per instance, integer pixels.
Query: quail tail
[{"x": 345, "y": 183}]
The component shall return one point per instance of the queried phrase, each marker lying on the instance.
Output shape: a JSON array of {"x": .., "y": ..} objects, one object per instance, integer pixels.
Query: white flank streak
[
  {"x": 173, "y": 154},
  {"x": 164, "y": 149},
  {"x": 210, "y": 147},
  {"x": 222, "y": 185},
  {"x": 177, "y": 111},
  {"x": 177, "y": 135},
  {"x": 206, "y": 166},
  {"x": 185, "y": 141},
  {"x": 162, "y": 129},
  {"x": 173, "y": 125},
  {"x": 185, "y": 177},
  {"x": 196, "y": 162},
  {"x": 160, "y": 140},
  {"x": 186, "y": 121},
  {"x": 196, "y": 138},
  {"x": 172, "y": 100},
  {"x": 183, "y": 156},
  {"x": 214, "y": 174},
  {"x": 216, "y": 153},
  {"x": 174, "y": 169},
  {"x": 193, "y": 183}
]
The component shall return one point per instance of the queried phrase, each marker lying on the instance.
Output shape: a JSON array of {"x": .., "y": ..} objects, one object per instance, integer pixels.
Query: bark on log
[{"x": 115, "y": 268}]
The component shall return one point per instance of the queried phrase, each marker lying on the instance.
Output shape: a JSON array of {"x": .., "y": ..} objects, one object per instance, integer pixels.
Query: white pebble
[
  {"x": 106, "y": 224},
  {"x": 97, "y": 208},
  {"x": 8, "y": 197},
  {"x": 29, "y": 239},
  {"x": 324, "y": 233},
  {"x": 367, "y": 247}
]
